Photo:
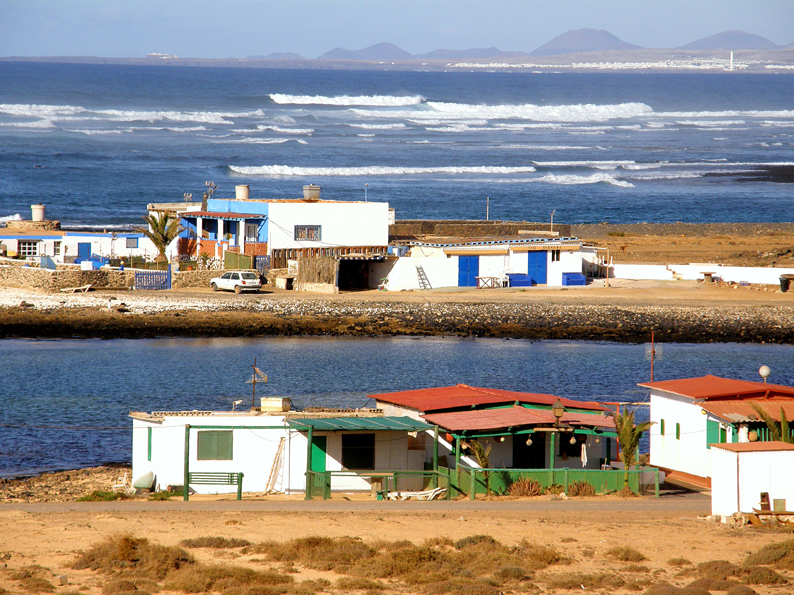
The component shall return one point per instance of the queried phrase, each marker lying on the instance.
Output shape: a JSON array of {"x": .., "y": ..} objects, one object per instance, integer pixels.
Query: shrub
[
  {"x": 625, "y": 554},
  {"x": 214, "y": 542},
  {"x": 718, "y": 569},
  {"x": 679, "y": 562},
  {"x": 462, "y": 587},
  {"x": 36, "y": 584},
  {"x": 160, "y": 496},
  {"x": 554, "y": 488},
  {"x": 200, "y": 579},
  {"x": 319, "y": 553},
  {"x": 761, "y": 575},
  {"x": 581, "y": 488},
  {"x": 616, "y": 234},
  {"x": 511, "y": 573},
  {"x": 97, "y": 496},
  {"x": 347, "y": 583},
  {"x": 781, "y": 555},
  {"x": 476, "y": 540},
  {"x": 587, "y": 581},
  {"x": 741, "y": 590},
  {"x": 538, "y": 557},
  {"x": 525, "y": 487},
  {"x": 125, "y": 552}
]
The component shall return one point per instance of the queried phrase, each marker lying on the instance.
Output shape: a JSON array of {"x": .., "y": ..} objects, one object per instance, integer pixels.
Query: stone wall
[
  {"x": 472, "y": 229},
  {"x": 185, "y": 279},
  {"x": 53, "y": 281},
  {"x": 34, "y": 225}
]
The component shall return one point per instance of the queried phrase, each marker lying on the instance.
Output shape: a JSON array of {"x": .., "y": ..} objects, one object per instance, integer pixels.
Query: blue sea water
[
  {"x": 65, "y": 404},
  {"x": 96, "y": 143}
]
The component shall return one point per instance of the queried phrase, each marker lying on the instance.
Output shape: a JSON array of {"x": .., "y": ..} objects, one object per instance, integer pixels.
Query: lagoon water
[
  {"x": 96, "y": 143},
  {"x": 65, "y": 404}
]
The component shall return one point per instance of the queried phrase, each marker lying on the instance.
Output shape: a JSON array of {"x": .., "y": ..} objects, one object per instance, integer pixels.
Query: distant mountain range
[{"x": 571, "y": 42}]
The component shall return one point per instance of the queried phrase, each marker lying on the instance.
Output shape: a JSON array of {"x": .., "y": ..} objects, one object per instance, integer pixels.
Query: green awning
[{"x": 358, "y": 424}]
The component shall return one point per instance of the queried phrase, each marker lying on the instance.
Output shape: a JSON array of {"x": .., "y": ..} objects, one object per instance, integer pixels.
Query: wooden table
[{"x": 488, "y": 282}]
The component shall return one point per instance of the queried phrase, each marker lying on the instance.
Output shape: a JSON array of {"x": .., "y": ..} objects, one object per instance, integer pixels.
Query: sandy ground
[{"x": 48, "y": 537}]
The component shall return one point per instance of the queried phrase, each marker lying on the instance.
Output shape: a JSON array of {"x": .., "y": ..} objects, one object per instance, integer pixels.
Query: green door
[{"x": 318, "y": 454}]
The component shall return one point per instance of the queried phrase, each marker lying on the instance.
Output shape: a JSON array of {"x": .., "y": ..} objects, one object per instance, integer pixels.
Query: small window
[
  {"x": 661, "y": 427},
  {"x": 235, "y": 276},
  {"x": 226, "y": 276},
  {"x": 28, "y": 248},
  {"x": 132, "y": 242},
  {"x": 215, "y": 445},
  {"x": 56, "y": 248},
  {"x": 678, "y": 431},
  {"x": 308, "y": 232},
  {"x": 358, "y": 451},
  {"x": 555, "y": 256}
]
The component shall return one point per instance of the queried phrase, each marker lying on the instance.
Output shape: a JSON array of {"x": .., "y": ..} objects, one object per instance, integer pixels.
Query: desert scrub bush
[
  {"x": 438, "y": 542},
  {"x": 581, "y": 488},
  {"x": 525, "y": 487},
  {"x": 36, "y": 584},
  {"x": 616, "y": 234},
  {"x": 471, "y": 540},
  {"x": 625, "y": 554},
  {"x": 554, "y": 488},
  {"x": 127, "y": 553},
  {"x": 511, "y": 573},
  {"x": 780, "y": 555},
  {"x": 318, "y": 553},
  {"x": 462, "y": 587},
  {"x": 348, "y": 583},
  {"x": 587, "y": 581},
  {"x": 718, "y": 569},
  {"x": 710, "y": 584},
  {"x": 679, "y": 562},
  {"x": 98, "y": 496},
  {"x": 129, "y": 585},
  {"x": 408, "y": 562},
  {"x": 202, "y": 579},
  {"x": 761, "y": 575},
  {"x": 214, "y": 542},
  {"x": 160, "y": 496},
  {"x": 627, "y": 492},
  {"x": 537, "y": 557},
  {"x": 740, "y": 590}
]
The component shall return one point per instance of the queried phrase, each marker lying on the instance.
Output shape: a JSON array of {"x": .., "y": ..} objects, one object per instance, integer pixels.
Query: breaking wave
[
  {"x": 14, "y": 217},
  {"x": 348, "y": 100},
  {"x": 569, "y": 180},
  {"x": 284, "y": 170}
]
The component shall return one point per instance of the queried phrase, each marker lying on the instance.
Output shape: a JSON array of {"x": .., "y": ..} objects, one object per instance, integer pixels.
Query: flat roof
[
  {"x": 715, "y": 387},
  {"x": 462, "y": 395},
  {"x": 755, "y": 446},
  {"x": 406, "y": 424},
  {"x": 221, "y": 215}
]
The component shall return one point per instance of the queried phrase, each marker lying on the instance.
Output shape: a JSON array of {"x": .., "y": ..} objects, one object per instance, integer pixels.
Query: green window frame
[
  {"x": 712, "y": 432},
  {"x": 215, "y": 445},
  {"x": 678, "y": 431},
  {"x": 149, "y": 445},
  {"x": 661, "y": 427}
]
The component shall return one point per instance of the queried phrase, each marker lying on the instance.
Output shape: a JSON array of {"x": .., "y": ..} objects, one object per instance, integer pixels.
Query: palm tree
[
  {"x": 629, "y": 435},
  {"x": 162, "y": 230},
  {"x": 483, "y": 456},
  {"x": 778, "y": 431}
]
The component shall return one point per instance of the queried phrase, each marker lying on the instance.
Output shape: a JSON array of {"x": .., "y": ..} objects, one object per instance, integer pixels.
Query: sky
[{"x": 241, "y": 28}]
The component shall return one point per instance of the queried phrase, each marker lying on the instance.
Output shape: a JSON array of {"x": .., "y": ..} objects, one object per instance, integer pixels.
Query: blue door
[
  {"x": 468, "y": 269},
  {"x": 84, "y": 250},
  {"x": 536, "y": 266}
]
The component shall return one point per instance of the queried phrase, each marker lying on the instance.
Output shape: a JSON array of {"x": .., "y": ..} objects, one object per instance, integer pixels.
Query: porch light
[
  {"x": 558, "y": 409},
  {"x": 529, "y": 441},
  {"x": 573, "y": 439},
  {"x": 499, "y": 439}
]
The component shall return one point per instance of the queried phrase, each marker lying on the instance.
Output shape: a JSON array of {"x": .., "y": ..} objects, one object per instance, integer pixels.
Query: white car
[{"x": 236, "y": 281}]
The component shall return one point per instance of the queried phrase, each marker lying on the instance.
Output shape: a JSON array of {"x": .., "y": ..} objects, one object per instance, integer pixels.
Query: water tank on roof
[
  {"x": 241, "y": 191},
  {"x": 37, "y": 212},
  {"x": 311, "y": 192}
]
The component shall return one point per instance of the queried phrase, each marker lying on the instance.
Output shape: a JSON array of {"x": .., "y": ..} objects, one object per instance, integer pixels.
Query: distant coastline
[{"x": 640, "y": 60}]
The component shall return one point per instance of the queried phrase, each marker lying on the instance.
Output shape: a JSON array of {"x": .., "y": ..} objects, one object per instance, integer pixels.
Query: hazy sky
[{"x": 240, "y": 28}]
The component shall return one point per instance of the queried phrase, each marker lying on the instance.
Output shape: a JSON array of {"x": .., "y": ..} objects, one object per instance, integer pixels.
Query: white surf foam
[
  {"x": 545, "y": 147},
  {"x": 347, "y": 100},
  {"x": 568, "y": 180},
  {"x": 399, "y": 126},
  {"x": 284, "y": 170},
  {"x": 91, "y": 132},
  {"x": 14, "y": 217},
  {"x": 46, "y": 123},
  {"x": 606, "y": 164},
  {"x": 282, "y": 130}
]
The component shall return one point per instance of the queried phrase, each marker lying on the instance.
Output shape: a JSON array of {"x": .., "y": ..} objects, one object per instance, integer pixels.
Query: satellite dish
[{"x": 764, "y": 372}]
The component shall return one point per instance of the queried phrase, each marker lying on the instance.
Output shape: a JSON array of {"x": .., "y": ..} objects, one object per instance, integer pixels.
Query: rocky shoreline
[{"x": 98, "y": 316}]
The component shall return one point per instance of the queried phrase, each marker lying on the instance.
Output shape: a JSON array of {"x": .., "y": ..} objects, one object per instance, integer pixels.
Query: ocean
[
  {"x": 97, "y": 143},
  {"x": 66, "y": 404}
]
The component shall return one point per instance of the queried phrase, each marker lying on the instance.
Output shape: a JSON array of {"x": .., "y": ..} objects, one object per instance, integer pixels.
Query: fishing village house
[
  {"x": 693, "y": 415},
  {"x": 420, "y": 432}
]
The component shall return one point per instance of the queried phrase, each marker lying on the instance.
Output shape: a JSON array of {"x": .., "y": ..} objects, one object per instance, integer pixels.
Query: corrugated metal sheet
[
  {"x": 714, "y": 387},
  {"x": 474, "y": 252},
  {"x": 512, "y": 242},
  {"x": 462, "y": 395},
  {"x": 754, "y": 446},
  {"x": 221, "y": 215},
  {"x": 353, "y": 424},
  {"x": 742, "y": 411},
  {"x": 513, "y": 417}
]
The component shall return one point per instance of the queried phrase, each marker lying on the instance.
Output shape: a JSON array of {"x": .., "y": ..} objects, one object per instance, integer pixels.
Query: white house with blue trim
[{"x": 493, "y": 262}]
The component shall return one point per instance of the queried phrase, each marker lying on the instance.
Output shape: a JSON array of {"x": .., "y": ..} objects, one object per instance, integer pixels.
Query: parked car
[{"x": 236, "y": 281}]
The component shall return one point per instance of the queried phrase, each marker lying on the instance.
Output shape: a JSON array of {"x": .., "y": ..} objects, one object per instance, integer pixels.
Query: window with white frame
[
  {"x": 28, "y": 248},
  {"x": 131, "y": 243},
  {"x": 56, "y": 248}
]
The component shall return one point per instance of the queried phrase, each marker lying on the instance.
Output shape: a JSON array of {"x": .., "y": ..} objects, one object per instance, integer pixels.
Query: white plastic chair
[{"x": 122, "y": 485}]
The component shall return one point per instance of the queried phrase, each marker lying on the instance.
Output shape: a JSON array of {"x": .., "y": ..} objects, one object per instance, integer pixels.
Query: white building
[
  {"x": 744, "y": 475},
  {"x": 692, "y": 414},
  {"x": 271, "y": 448},
  {"x": 66, "y": 246},
  {"x": 517, "y": 262}
]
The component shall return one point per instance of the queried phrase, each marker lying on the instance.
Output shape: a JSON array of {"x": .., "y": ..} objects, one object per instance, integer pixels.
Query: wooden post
[
  {"x": 309, "y": 477},
  {"x": 457, "y": 463},
  {"x": 435, "y": 457},
  {"x": 186, "y": 463}
]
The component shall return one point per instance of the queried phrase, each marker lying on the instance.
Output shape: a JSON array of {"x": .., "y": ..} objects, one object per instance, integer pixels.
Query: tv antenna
[
  {"x": 257, "y": 376},
  {"x": 188, "y": 196}
]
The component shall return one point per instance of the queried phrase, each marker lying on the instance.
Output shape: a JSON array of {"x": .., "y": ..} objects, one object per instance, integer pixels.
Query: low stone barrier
[
  {"x": 186, "y": 279},
  {"x": 53, "y": 281}
]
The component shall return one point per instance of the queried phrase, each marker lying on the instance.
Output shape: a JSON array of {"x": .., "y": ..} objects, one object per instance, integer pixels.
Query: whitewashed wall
[
  {"x": 343, "y": 224},
  {"x": 656, "y": 272},
  {"x": 762, "y": 275},
  {"x": 441, "y": 271},
  {"x": 689, "y": 453},
  {"x": 570, "y": 262},
  {"x": 739, "y": 478}
]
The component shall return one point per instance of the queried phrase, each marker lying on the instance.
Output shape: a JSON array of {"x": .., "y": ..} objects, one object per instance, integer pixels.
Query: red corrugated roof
[
  {"x": 462, "y": 395},
  {"x": 714, "y": 387},
  {"x": 221, "y": 215},
  {"x": 512, "y": 417},
  {"x": 742, "y": 411},
  {"x": 755, "y": 446}
]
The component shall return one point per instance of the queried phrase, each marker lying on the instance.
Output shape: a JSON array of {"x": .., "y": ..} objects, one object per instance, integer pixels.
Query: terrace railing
[
  {"x": 379, "y": 483},
  {"x": 498, "y": 481},
  {"x": 153, "y": 279}
]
